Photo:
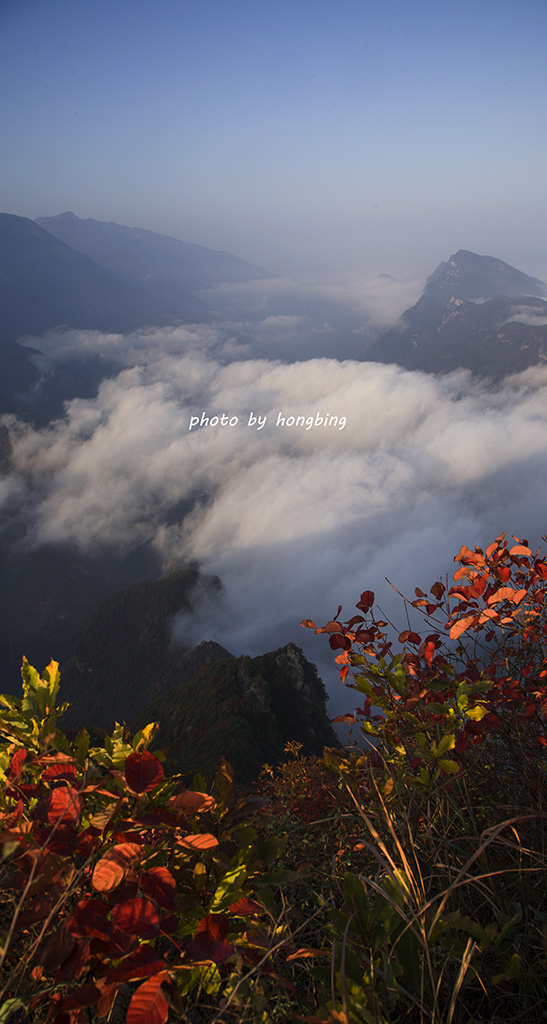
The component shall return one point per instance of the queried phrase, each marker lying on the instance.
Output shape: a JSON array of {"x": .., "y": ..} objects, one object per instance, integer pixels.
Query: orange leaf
[
  {"x": 150, "y": 1003},
  {"x": 203, "y": 841},
  {"x": 502, "y": 594},
  {"x": 192, "y": 802},
  {"x": 519, "y": 549},
  {"x": 107, "y": 875},
  {"x": 302, "y": 954},
  {"x": 461, "y": 626},
  {"x": 111, "y": 868},
  {"x": 65, "y": 804}
]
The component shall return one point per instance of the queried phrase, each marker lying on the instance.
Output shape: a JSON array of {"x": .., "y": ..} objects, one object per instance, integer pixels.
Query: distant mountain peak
[
  {"x": 467, "y": 317},
  {"x": 167, "y": 266},
  {"x": 467, "y": 275}
]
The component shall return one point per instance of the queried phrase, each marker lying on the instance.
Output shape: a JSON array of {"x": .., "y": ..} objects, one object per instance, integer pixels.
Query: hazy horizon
[{"x": 319, "y": 140}]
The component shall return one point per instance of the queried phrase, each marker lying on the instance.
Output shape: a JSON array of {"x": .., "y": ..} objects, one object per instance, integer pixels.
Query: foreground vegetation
[{"x": 403, "y": 879}]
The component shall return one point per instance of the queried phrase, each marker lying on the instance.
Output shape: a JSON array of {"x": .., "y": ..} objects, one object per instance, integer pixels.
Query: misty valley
[
  {"x": 136, "y": 465},
  {"x": 230, "y": 818}
]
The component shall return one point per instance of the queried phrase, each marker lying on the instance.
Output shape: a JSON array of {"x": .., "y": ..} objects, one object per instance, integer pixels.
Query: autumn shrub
[
  {"x": 401, "y": 879},
  {"x": 114, "y": 877},
  {"x": 449, "y": 923}
]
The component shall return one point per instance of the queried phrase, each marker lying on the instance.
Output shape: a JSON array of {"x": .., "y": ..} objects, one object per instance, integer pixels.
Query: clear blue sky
[{"x": 318, "y": 136}]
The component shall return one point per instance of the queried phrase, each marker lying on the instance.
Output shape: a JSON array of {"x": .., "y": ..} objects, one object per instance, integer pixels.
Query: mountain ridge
[
  {"x": 475, "y": 312},
  {"x": 169, "y": 268}
]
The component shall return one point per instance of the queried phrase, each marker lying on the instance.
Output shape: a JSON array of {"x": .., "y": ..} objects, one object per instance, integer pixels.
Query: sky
[{"x": 317, "y": 138}]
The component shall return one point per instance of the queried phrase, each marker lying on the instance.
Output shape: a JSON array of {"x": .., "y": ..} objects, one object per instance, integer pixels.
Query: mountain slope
[
  {"x": 245, "y": 710},
  {"x": 169, "y": 268},
  {"x": 43, "y": 284},
  {"x": 209, "y": 704},
  {"x": 475, "y": 312},
  {"x": 122, "y": 649}
]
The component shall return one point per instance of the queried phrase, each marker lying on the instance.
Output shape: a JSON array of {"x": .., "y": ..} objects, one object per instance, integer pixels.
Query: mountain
[
  {"x": 168, "y": 268},
  {"x": 245, "y": 710},
  {"x": 43, "y": 284},
  {"x": 475, "y": 312},
  {"x": 48, "y": 591},
  {"x": 208, "y": 703},
  {"x": 122, "y": 649}
]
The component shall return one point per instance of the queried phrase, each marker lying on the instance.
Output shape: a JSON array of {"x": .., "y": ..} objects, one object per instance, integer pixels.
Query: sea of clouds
[{"x": 294, "y": 519}]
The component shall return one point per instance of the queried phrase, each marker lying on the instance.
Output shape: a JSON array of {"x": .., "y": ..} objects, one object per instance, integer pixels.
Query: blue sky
[{"x": 315, "y": 137}]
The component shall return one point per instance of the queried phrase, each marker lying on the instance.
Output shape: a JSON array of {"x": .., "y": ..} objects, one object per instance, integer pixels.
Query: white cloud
[{"x": 293, "y": 520}]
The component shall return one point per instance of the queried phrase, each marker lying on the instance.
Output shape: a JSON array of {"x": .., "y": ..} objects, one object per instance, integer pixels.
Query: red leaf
[
  {"x": 245, "y": 906},
  {"x": 336, "y": 641},
  {"x": 150, "y": 1003},
  {"x": 85, "y": 995},
  {"x": 429, "y": 651},
  {"x": 143, "y": 771},
  {"x": 61, "y": 770},
  {"x": 136, "y": 917},
  {"x": 141, "y": 964},
  {"x": 16, "y": 763},
  {"x": 409, "y": 636},
  {"x": 209, "y": 940},
  {"x": 65, "y": 804},
  {"x": 366, "y": 636},
  {"x": 159, "y": 885},
  {"x": 308, "y": 623},
  {"x": 306, "y": 954},
  {"x": 55, "y": 949},
  {"x": 437, "y": 590},
  {"x": 37, "y": 910},
  {"x": 108, "y": 995},
  {"x": 75, "y": 964},
  {"x": 366, "y": 602},
  {"x": 89, "y": 920}
]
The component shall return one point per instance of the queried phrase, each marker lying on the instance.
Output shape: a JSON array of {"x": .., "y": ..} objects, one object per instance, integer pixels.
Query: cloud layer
[{"x": 294, "y": 520}]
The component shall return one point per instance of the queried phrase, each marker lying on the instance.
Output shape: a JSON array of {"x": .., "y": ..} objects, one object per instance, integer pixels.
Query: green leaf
[
  {"x": 477, "y": 712},
  {"x": 512, "y": 971},
  {"x": 11, "y": 1010},
  {"x": 447, "y": 743},
  {"x": 231, "y": 883},
  {"x": 270, "y": 849},
  {"x": 449, "y": 766},
  {"x": 81, "y": 747},
  {"x": 143, "y": 738}
]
